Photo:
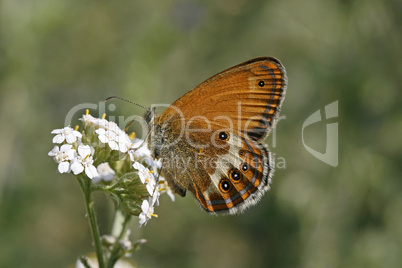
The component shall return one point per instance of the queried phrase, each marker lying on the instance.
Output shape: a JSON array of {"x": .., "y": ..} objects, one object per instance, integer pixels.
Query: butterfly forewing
[{"x": 246, "y": 97}]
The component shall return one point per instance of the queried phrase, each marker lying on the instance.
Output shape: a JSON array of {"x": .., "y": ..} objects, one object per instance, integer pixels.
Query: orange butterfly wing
[
  {"x": 246, "y": 97},
  {"x": 239, "y": 173},
  {"x": 243, "y": 103}
]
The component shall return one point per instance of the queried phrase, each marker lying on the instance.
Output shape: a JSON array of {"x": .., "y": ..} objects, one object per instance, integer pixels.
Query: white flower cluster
[
  {"x": 70, "y": 159},
  {"x": 110, "y": 134},
  {"x": 154, "y": 189},
  {"x": 147, "y": 206},
  {"x": 76, "y": 157}
]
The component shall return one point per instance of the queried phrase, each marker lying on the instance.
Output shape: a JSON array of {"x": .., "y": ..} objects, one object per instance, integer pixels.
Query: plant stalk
[
  {"x": 120, "y": 227},
  {"x": 89, "y": 202}
]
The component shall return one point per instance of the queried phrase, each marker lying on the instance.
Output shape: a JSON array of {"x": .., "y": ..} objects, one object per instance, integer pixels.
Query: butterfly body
[{"x": 209, "y": 140}]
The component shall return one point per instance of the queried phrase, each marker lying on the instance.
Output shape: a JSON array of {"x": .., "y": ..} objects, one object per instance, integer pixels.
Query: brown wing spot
[
  {"x": 223, "y": 135},
  {"x": 244, "y": 167},
  {"x": 235, "y": 175},
  {"x": 224, "y": 185}
]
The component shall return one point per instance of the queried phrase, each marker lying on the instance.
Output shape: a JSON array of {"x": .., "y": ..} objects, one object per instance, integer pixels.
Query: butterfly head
[{"x": 150, "y": 116}]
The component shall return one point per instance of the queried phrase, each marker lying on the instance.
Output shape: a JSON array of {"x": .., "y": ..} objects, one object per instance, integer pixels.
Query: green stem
[
  {"x": 119, "y": 230},
  {"x": 89, "y": 202}
]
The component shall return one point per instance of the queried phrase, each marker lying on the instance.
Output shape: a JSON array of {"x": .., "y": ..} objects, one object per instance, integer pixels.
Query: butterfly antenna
[{"x": 123, "y": 99}]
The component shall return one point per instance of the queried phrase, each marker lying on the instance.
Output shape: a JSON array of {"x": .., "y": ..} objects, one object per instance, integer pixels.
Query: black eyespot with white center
[
  {"x": 223, "y": 136},
  {"x": 244, "y": 167},
  {"x": 261, "y": 83},
  {"x": 225, "y": 185},
  {"x": 235, "y": 175}
]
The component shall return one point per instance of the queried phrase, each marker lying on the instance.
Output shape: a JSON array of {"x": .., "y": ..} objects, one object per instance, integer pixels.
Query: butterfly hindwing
[
  {"x": 226, "y": 174},
  {"x": 240, "y": 177}
]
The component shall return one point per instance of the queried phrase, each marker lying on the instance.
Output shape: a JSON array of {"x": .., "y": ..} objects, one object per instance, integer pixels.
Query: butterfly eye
[
  {"x": 223, "y": 135},
  {"x": 261, "y": 83},
  {"x": 235, "y": 175},
  {"x": 225, "y": 185},
  {"x": 244, "y": 167}
]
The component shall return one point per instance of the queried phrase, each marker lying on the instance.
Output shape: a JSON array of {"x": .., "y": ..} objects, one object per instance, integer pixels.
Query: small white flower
[
  {"x": 164, "y": 187},
  {"x": 89, "y": 120},
  {"x": 151, "y": 187},
  {"x": 155, "y": 197},
  {"x": 138, "y": 149},
  {"x": 109, "y": 125},
  {"x": 124, "y": 141},
  {"x": 147, "y": 213},
  {"x": 109, "y": 137},
  {"x": 170, "y": 194},
  {"x": 106, "y": 173},
  {"x": 143, "y": 172},
  {"x": 146, "y": 178},
  {"x": 63, "y": 156},
  {"x": 84, "y": 161},
  {"x": 67, "y": 133}
]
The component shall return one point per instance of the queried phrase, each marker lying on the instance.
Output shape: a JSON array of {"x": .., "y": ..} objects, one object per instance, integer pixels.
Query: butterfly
[{"x": 210, "y": 140}]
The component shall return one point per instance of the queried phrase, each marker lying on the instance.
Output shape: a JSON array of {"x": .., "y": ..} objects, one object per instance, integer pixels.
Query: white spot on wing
[{"x": 225, "y": 163}]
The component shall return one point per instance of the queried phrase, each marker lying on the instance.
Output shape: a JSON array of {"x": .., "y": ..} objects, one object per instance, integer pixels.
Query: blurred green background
[{"x": 57, "y": 54}]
